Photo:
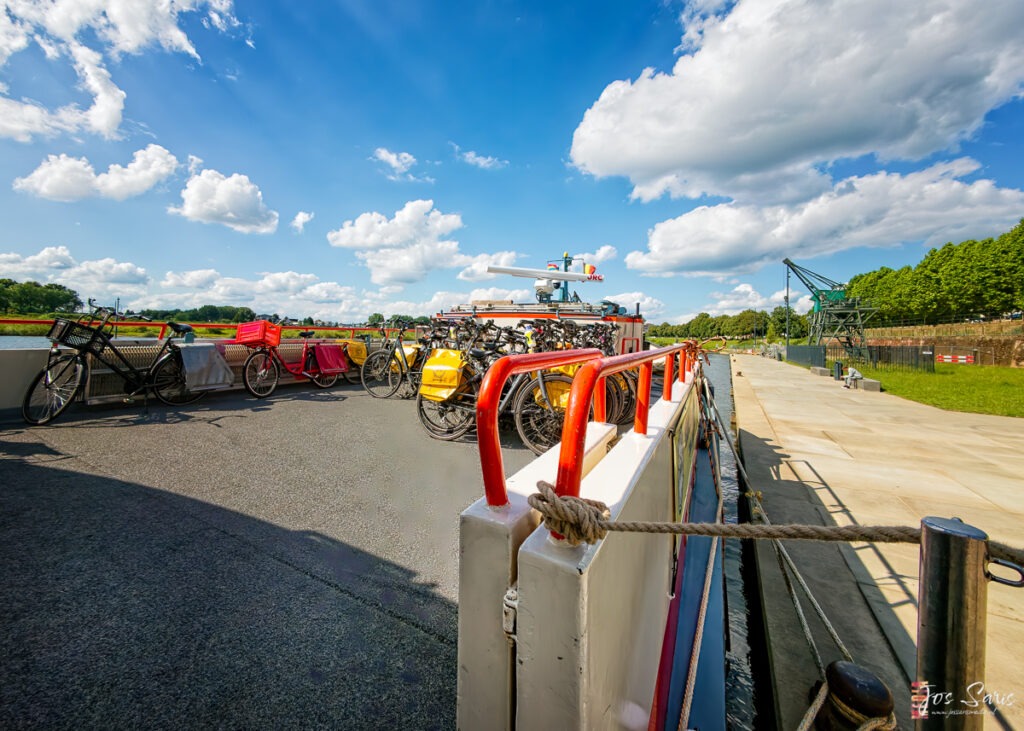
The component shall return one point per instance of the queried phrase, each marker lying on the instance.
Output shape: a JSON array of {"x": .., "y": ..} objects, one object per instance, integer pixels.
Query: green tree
[
  {"x": 375, "y": 319},
  {"x": 35, "y": 298},
  {"x": 701, "y": 326}
]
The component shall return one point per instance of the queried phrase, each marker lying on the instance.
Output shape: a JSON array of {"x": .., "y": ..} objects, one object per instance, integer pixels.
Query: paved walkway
[{"x": 824, "y": 454}]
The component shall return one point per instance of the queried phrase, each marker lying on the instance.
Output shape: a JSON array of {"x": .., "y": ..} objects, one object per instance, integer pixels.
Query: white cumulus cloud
[
  {"x": 767, "y": 91},
  {"x": 475, "y": 267},
  {"x": 301, "y": 219},
  {"x": 416, "y": 222},
  {"x": 603, "y": 254},
  {"x": 102, "y": 279},
  {"x": 649, "y": 306},
  {"x": 48, "y": 263},
  {"x": 64, "y": 178},
  {"x": 883, "y": 209},
  {"x": 235, "y": 202},
  {"x": 197, "y": 278},
  {"x": 484, "y": 162},
  {"x": 287, "y": 293},
  {"x": 83, "y": 32},
  {"x": 398, "y": 164},
  {"x": 404, "y": 248}
]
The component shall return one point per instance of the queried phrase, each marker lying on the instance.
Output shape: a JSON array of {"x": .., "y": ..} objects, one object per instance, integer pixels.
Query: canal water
[
  {"x": 740, "y": 688},
  {"x": 16, "y": 342}
]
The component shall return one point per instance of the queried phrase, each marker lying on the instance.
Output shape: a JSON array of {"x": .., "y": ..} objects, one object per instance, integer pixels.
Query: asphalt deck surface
[
  {"x": 235, "y": 563},
  {"x": 824, "y": 455}
]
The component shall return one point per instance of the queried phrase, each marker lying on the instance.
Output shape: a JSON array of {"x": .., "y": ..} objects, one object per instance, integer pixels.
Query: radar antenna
[{"x": 547, "y": 281}]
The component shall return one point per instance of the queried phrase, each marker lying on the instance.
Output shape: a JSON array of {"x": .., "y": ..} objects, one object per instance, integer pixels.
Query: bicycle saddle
[
  {"x": 179, "y": 327},
  {"x": 307, "y": 334}
]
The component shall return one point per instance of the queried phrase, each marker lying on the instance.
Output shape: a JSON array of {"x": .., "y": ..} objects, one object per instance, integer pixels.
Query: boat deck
[{"x": 283, "y": 563}]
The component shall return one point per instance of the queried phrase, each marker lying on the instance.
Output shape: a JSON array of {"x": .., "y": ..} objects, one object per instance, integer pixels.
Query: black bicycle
[
  {"x": 384, "y": 371},
  {"x": 59, "y": 383}
]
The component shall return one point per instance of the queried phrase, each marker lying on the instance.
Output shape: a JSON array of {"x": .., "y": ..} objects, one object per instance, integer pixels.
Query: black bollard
[{"x": 855, "y": 695}]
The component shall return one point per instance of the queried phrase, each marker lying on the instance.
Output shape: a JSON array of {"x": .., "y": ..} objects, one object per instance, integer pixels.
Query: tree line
[
  {"x": 972, "y": 279},
  {"x": 33, "y": 297},
  {"x": 206, "y": 313},
  {"x": 747, "y": 325}
]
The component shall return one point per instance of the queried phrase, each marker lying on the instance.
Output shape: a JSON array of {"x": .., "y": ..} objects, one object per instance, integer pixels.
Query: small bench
[
  {"x": 867, "y": 384},
  {"x": 817, "y": 371}
]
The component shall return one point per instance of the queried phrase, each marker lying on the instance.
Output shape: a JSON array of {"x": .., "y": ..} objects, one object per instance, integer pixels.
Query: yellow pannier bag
[
  {"x": 410, "y": 350},
  {"x": 442, "y": 374},
  {"x": 356, "y": 350},
  {"x": 558, "y": 391},
  {"x": 569, "y": 370}
]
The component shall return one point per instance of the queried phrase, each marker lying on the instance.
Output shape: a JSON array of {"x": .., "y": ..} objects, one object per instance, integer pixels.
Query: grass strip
[{"x": 974, "y": 389}]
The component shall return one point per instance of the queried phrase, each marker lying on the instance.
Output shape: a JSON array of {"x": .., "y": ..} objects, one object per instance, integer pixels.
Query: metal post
[
  {"x": 952, "y": 602},
  {"x": 787, "y": 312}
]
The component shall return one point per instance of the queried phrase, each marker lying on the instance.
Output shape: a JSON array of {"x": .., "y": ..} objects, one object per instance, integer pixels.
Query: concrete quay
[{"x": 821, "y": 454}]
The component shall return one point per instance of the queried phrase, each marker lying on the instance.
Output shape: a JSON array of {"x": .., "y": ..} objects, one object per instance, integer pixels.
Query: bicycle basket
[
  {"x": 258, "y": 333},
  {"x": 442, "y": 374},
  {"x": 77, "y": 336}
]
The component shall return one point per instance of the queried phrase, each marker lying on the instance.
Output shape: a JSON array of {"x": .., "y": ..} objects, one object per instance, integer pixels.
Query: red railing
[
  {"x": 210, "y": 326},
  {"x": 589, "y": 386},
  {"x": 489, "y": 399}
]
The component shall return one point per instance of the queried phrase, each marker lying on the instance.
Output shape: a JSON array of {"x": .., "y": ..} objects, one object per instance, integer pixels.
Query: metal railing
[
  {"x": 352, "y": 330},
  {"x": 487, "y": 410},
  {"x": 807, "y": 355},
  {"x": 588, "y": 387},
  {"x": 888, "y": 357}
]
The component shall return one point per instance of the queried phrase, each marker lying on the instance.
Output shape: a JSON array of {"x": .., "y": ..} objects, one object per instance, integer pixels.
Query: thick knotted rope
[{"x": 580, "y": 520}]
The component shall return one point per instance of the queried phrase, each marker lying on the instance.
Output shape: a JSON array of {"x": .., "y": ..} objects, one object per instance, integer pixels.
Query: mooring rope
[{"x": 581, "y": 520}]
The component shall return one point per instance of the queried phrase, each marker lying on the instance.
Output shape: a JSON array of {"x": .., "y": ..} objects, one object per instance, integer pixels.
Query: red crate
[{"x": 259, "y": 332}]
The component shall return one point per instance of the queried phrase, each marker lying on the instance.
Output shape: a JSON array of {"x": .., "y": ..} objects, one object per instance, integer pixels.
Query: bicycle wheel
[
  {"x": 324, "y": 380},
  {"x": 539, "y": 420},
  {"x": 453, "y": 418},
  {"x": 612, "y": 404},
  {"x": 260, "y": 374},
  {"x": 53, "y": 390},
  {"x": 380, "y": 374},
  {"x": 627, "y": 396},
  {"x": 169, "y": 383}
]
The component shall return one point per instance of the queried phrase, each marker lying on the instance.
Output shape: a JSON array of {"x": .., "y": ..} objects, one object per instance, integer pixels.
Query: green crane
[{"x": 834, "y": 316}]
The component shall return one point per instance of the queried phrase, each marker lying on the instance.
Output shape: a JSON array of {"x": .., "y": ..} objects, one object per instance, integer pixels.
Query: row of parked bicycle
[{"x": 443, "y": 368}]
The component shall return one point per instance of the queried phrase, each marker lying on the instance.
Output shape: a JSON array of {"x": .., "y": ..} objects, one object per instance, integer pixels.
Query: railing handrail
[
  {"x": 588, "y": 386},
  {"x": 158, "y": 324},
  {"x": 487, "y": 409}
]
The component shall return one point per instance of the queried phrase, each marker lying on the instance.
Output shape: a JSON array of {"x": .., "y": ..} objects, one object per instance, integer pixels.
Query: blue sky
[{"x": 334, "y": 159}]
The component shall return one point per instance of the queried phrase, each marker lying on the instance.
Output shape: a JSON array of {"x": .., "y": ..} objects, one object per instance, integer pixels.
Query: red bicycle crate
[{"x": 259, "y": 332}]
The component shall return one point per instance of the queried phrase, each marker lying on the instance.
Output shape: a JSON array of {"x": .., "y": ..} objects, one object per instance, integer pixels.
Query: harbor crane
[{"x": 835, "y": 316}]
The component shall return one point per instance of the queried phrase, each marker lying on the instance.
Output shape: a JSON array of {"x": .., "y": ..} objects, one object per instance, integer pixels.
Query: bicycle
[
  {"x": 59, "y": 383},
  {"x": 446, "y": 403},
  {"x": 321, "y": 363},
  {"x": 384, "y": 371}
]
